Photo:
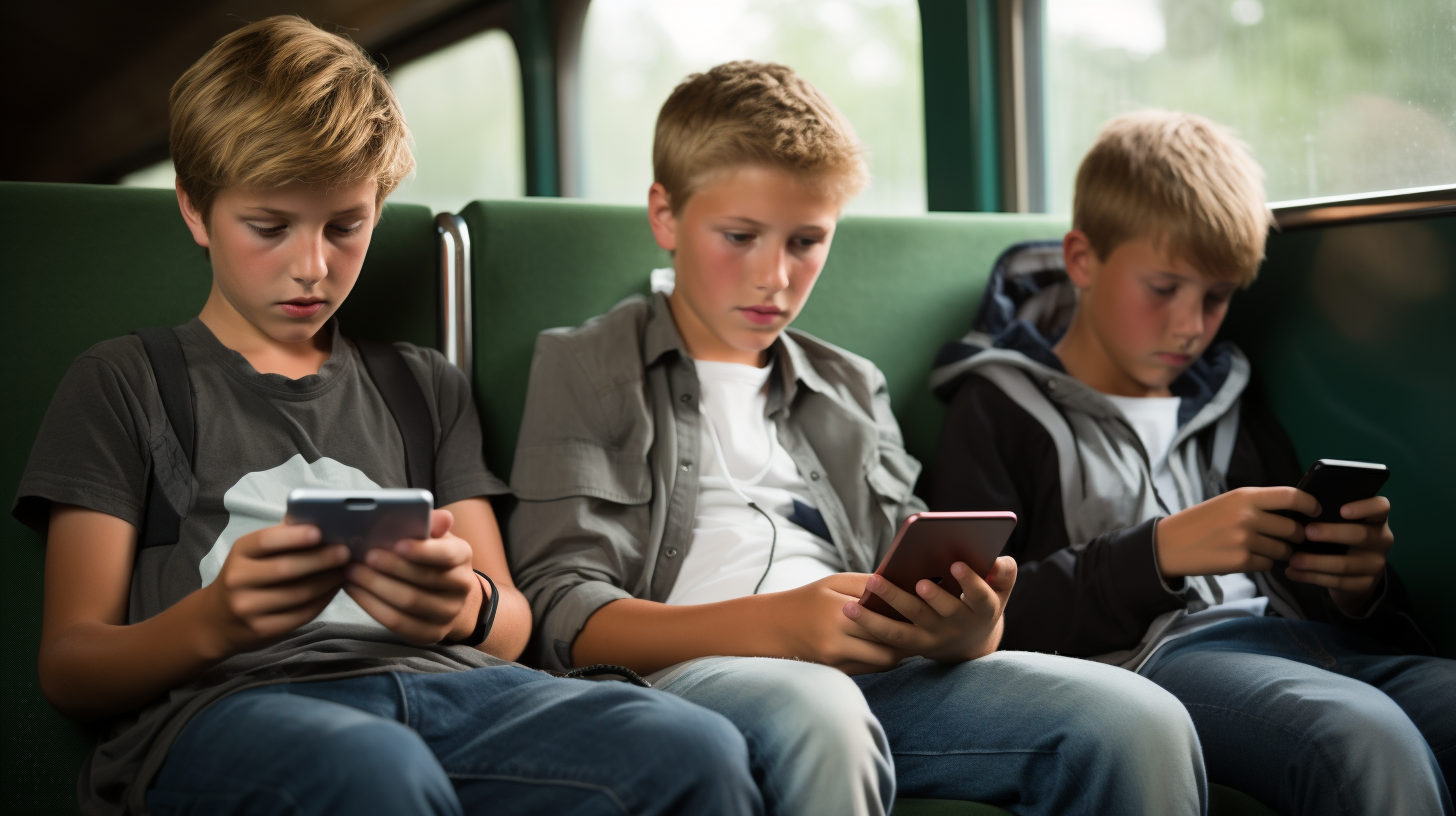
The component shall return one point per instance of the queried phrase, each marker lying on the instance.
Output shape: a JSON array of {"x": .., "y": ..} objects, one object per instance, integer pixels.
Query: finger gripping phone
[
  {"x": 1335, "y": 483},
  {"x": 928, "y": 543},
  {"x": 363, "y": 519}
]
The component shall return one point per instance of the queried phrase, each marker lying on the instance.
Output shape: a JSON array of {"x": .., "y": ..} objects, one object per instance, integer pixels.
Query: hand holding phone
[
  {"x": 1335, "y": 483},
  {"x": 929, "y": 543},
  {"x": 942, "y": 586}
]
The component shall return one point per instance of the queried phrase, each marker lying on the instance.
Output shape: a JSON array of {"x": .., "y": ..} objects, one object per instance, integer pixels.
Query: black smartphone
[
  {"x": 363, "y": 519},
  {"x": 1335, "y": 483}
]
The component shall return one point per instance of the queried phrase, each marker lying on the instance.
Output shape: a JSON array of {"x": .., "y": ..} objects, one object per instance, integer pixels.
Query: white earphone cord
[{"x": 733, "y": 485}]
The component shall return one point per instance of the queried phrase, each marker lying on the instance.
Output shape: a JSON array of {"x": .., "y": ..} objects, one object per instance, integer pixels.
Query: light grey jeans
[{"x": 1033, "y": 733}]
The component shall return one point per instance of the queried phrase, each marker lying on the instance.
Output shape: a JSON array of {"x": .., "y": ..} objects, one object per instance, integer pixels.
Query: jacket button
[
  {"x": 1051, "y": 385},
  {"x": 686, "y": 398},
  {"x": 687, "y": 466},
  {"x": 671, "y": 552},
  {"x": 814, "y": 475}
]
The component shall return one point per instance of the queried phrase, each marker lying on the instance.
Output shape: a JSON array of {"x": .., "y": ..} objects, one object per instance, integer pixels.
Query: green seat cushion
[
  {"x": 84, "y": 263},
  {"x": 893, "y": 290}
]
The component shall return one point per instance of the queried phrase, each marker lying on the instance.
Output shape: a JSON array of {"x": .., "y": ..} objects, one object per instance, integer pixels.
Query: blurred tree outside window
[
  {"x": 463, "y": 105},
  {"x": 863, "y": 54},
  {"x": 1334, "y": 97}
]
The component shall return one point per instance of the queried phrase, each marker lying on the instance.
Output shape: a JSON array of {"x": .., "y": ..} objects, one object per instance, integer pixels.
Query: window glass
[
  {"x": 157, "y": 175},
  {"x": 864, "y": 54},
  {"x": 463, "y": 104},
  {"x": 1335, "y": 97}
]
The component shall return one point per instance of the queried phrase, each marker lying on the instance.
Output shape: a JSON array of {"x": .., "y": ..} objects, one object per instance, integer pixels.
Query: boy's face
[
  {"x": 747, "y": 248},
  {"x": 1145, "y": 316},
  {"x": 283, "y": 258}
]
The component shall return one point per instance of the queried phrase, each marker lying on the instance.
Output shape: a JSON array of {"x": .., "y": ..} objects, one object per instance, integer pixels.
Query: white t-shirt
[
  {"x": 1155, "y": 420},
  {"x": 731, "y": 540}
]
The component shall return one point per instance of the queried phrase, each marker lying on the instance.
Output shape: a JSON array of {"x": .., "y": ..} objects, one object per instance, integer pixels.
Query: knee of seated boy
[
  {"x": 1112, "y": 712},
  {"x": 665, "y": 744},
  {"x": 1365, "y": 736},
  {"x": 818, "y": 707}
]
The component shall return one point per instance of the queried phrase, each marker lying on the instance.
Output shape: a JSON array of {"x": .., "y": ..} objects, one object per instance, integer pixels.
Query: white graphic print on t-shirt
[{"x": 260, "y": 499}]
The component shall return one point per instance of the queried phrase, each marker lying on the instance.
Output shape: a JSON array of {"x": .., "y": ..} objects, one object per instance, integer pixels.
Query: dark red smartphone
[{"x": 928, "y": 543}]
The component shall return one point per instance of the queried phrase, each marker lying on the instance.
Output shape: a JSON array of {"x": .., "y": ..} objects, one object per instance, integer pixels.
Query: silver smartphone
[{"x": 363, "y": 519}]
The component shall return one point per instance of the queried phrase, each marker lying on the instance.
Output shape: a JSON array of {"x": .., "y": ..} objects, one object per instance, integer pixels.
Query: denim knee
[
  {"x": 269, "y": 752},
  {"x": 1367, "y": 751},
  {"x": 380, "y": 753}
]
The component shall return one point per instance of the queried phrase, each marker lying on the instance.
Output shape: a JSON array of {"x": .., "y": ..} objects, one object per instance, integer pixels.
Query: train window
[
  {"x": 463, "y": 104},
  {"x": 1334, "y": 96},
  {"x": 865, "y": 54}
]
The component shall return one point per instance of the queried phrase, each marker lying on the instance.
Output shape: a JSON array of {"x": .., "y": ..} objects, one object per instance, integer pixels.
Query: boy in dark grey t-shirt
[{"x": 246, "y": 667}]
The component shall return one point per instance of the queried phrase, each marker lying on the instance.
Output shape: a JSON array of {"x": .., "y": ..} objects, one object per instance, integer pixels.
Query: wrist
[
  {"x": 211, "y": 639},
  {"x": 1355, "y": 604},
  {"x": 464, "y": 624}
]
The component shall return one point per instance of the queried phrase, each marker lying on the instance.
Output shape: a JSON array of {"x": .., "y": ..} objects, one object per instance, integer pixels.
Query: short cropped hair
[
  {"x": 279, "y": 101},
  {"x": 1180, "y": 180},
  {"x": 754, "y": 113}
]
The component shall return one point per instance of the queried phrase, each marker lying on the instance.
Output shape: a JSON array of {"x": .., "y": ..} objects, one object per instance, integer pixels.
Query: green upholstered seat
[{"x": 81, "y": 264}]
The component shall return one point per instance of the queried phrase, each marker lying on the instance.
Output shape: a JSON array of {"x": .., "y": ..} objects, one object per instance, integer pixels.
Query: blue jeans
[
  {"x": 1311, "y": 718},
  {"x": 1033, "y": 733},
  {"x": 501, "y": 740}
]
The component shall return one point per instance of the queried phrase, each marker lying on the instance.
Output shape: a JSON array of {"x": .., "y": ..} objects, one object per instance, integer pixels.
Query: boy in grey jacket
[
  {"x": 1150, "y": 480},
  {"x": 703, "y": 490}
]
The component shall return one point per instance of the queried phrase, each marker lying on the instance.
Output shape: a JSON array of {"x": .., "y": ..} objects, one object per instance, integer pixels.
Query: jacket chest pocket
[{"x": 890, "y": 484}]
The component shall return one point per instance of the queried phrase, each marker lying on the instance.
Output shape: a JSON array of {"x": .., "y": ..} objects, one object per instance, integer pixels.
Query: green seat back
[
  {"x": 81, "y": 264},
  {"x": 1349, "y": 329},
  {"x": 893, "y": 290}
]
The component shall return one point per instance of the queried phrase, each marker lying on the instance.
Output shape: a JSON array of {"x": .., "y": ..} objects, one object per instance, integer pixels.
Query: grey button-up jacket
[{"x": 606, "y": 468}]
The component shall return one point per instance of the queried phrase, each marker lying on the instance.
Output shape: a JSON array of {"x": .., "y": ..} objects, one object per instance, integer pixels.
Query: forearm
[
  {"x": 646, "y": 636},
  {"x": 91, "y": 669}
]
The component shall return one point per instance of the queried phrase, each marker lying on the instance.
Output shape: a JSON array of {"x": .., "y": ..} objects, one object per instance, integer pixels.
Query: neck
[
  {"x": 703, "y": 344},
  {"x": 264, "y": 353},
  {"x": 1085, "y": 357}
]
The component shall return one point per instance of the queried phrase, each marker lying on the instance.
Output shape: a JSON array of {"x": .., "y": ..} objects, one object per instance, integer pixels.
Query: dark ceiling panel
[{"x": 86, "y": 82}]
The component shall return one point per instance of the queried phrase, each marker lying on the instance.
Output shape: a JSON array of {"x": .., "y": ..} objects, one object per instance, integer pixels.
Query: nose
[
  {"x": 1188, "y": 320},
  {"x": 310, "y": 265},
  {"x": 773, "y": 275}
]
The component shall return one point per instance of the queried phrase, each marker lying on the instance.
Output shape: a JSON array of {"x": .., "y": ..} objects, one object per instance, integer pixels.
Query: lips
[
  {"x": 302, "y": 307},
  {"x": 762, "y": 315},
  {"x": 1172, "y": 359}
]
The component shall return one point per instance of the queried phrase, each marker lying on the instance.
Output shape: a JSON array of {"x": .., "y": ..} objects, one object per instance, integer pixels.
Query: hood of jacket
[{"x": 1027, "y": 307}]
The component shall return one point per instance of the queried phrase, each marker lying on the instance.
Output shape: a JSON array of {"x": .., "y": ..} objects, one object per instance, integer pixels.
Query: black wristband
[{"x": 486, "y": 618}]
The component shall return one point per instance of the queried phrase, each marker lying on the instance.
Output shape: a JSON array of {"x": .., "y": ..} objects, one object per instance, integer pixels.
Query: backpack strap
[
  {"x": 405, "y": 398},
  {"x": 162, "y": 523}
]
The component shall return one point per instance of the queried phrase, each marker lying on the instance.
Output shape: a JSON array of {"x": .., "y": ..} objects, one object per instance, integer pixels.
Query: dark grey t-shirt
[{"x": 257, "y": 437}]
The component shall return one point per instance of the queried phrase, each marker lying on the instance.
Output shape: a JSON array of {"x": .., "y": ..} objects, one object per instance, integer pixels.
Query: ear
[
  {"x": 661, "y": 218},
  {"x": 1080, "y": 257},
  {"x": 195, "y": 222}
]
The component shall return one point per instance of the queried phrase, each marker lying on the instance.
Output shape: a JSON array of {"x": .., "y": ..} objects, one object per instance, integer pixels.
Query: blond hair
[
  {"x": 281, "y": 100},
  {"x": 1181, "y": 180},
  {"x": 754, "y": 113}
]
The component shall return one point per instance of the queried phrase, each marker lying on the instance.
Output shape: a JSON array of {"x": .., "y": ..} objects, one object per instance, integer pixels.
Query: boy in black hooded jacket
[{"x": 1149, "y": 482}]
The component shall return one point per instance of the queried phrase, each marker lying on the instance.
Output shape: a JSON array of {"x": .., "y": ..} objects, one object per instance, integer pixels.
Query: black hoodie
[{"x": 1023, "y": 435}]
